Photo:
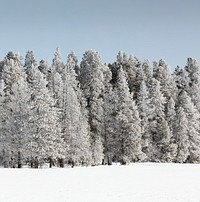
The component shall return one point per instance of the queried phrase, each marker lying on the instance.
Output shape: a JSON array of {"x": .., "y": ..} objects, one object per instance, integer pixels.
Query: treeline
[{"x": 95, "y": 113}]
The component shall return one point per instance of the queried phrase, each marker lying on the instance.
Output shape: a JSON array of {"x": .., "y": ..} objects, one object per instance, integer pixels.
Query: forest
[{"x": 93, "y": 113}]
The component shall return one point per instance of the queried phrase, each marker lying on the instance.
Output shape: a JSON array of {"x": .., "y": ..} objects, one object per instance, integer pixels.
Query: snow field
[{"x": 137, "y": 182}]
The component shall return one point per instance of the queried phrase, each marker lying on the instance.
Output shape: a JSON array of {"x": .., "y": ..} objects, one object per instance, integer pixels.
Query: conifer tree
[
  {"x": 162, "y": 73},
  {"x": 193, "y": 70},
  {"x": 130, "y": 65},
  {"x": 57, "y": 62},
  {"x": 128, "y": 135},
  {"x": 193, "y": 116},
  {"x": 159, "y": 148},
  {"x": 75, "y": 123},
  {"x": 29, "y": 66},
  {"x": 143, "y": 102},
  {"x": 45, "y": 141},
  {"x": 92, "y": 83},
  {"x": 16, "y": 109},
  {"x": 181, "y": 136}
]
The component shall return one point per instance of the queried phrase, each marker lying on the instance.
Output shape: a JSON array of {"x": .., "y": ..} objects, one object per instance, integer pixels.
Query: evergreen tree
[
  {"x": 57, "y": 62},
  {"x": 43, "y": 67},
  {"x": 193, "y": 70},
  {"x": 193, "y": 116},
  {"x": 75, "y": 123},
  {"x": 45, "y": 141},
  {"x": 29, "y": 66},
  {"x": 92, "y": 83},
  {"x": 16, "y": 109},
  {"x": 128, "y": 135},
  {"x": 162, "y": 73},
  {"x": 160, "y": 148},
  {"x": 130, "y": 65},
  {"x": 181, "y": 79},
  {"x": 143, "y": 102},
  {"x": 181, "y": 136},
  {"x": 171, "y": 114}
]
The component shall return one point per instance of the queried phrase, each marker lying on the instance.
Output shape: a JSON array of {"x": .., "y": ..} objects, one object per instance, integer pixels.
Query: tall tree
[
  {"x": 181, "y": 136},
  {"x": 45, "y": 139},
  {"x": 193, "y": 70},
  {"x": 16, "y": 108},
  {"x": 58, "y": 65},
  {"x": 143, "y": 102},
  {"x": 128, "y": 135},
  {"x": 75, "y": 123},
  {"x": 160, "y": 148},
  {"x": 193, "y": 116},
  {"x": 92, "y": 83},
  {"x": 29, "y": 66},
  {"x": 162, "y": 73}
]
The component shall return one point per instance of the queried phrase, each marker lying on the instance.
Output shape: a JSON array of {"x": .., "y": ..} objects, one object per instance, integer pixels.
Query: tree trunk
[
  {"x": 5, "y": 159},
  {"x": 19, "y": 163},
  {"x": 50, "y": 162},
  {"x": 61, "y": 163}
]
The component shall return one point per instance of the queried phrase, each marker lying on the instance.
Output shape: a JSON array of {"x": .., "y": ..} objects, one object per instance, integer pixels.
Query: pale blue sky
[{"x": 149, "y": 29}]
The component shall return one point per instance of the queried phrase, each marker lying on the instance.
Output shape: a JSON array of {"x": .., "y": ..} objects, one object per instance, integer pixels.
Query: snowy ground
[{"x": 134, "y": 183}]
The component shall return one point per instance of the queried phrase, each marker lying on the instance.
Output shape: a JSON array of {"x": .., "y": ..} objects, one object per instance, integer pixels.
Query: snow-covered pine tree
[
  {"x": 193, "y": 90},
  {"x": 44, "y": 67},
  {"x": 170, "y": 114},
  {"x": 130, "y": 65},
  {"x": 3, "y": 138},
  {"x": 147, "y": 72},
  {"x": 45, "y": 141},
  {"x": 16, "y": 110},
  {"x": 128, "y": 134},
  {"x": 181, "y": 79},
  {"x": 162, "y": 73},
  {"x": 29, "y": 66},
  {"x": 58, "y": 65},
  {"x": 143, "y": 108},
  {"x": 108, "y": 121},
  {"x": 75, "y": 123},
  {"x": 92, "y": 83},
  {"x": 193, "y": 117},
  {"x": 143, "y": 75},
  {"x": 160, "y": 147},
  {"x": 181, "y": 136}
]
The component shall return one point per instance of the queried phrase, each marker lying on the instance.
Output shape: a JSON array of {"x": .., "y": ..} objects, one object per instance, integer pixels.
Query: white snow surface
[{"x": 140, "y": 182}]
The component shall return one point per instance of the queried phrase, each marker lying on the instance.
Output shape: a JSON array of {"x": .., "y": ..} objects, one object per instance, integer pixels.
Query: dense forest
[{"x": 92, "y": 113}]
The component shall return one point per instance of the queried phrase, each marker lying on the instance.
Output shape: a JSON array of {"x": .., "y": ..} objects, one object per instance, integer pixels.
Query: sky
[{"x": 147, "y": 29}]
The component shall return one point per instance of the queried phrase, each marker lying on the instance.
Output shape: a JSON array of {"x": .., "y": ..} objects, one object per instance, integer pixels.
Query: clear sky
[{"x": 148, "y": 29}]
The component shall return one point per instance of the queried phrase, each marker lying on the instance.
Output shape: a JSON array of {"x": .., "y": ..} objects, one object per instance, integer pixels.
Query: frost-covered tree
[
  {"x": 130, "y": 65},
  {"x": 4, "y": 158},
  {"x": 56, "y": 83},
  {"x": 162, "y": 73},
  {"x": 16, "y": 110},
  {"x": 171, "y": 114},
  {"x": 128, "y": 134},
  {"x": 92, "y": 83},
  {"x": 193, "y": 116},
  {"x": 160, "y": 148},
  {"x": 29, "y": 66},
  {"x": 58, "y": 65},
  {"x": 144, "y": 112},
  {"x": 45, "y": 141},
  {"x": 43, "y": 67},
  {"x": 108, "y": 121},
  {"x": 181, "y": 136},
  {"x": 75, "y": 123},
  {"x": 147, "y": 72},
  {"x": 193, "y": 70},
  {"x": 181, "y": 79}
]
